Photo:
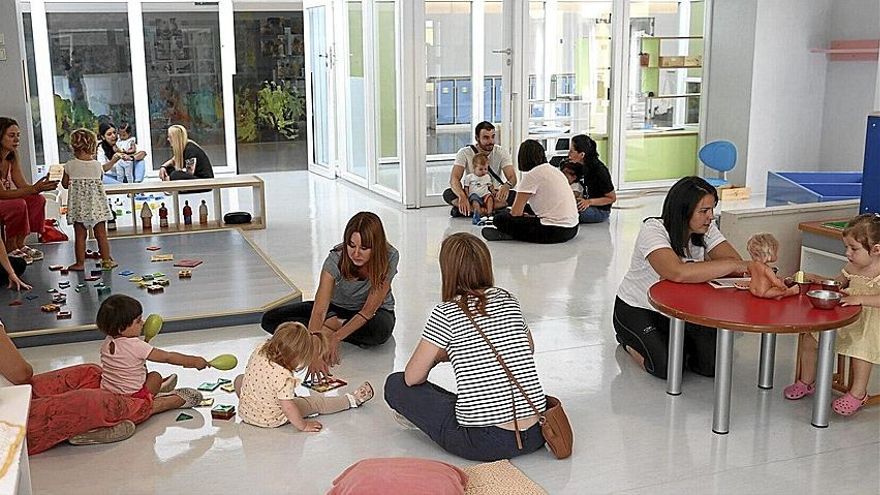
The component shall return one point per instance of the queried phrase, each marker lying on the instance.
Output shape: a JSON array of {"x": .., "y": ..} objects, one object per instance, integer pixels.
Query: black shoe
[
  {"x": 454, "y": 213},
  {"x": 493, "y": 234}
]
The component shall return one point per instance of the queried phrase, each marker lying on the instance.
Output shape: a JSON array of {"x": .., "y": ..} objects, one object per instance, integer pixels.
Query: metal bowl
[
  {"x": 832, "y": 285},
  {"x": 824, "y": 299}
]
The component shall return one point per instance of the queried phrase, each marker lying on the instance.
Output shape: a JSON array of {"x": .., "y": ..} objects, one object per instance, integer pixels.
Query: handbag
[{"x": 554, "y": 423}]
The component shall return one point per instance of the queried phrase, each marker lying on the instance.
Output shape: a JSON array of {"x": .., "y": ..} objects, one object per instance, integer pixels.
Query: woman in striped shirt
[{"x": 479, "y": 422}]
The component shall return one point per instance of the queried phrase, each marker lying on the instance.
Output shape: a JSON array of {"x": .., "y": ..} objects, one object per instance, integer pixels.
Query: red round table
[{"x": 731, "y": 310}]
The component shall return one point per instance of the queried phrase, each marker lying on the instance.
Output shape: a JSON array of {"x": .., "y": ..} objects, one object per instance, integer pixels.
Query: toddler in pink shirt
[{"x": 124, "y": 354}]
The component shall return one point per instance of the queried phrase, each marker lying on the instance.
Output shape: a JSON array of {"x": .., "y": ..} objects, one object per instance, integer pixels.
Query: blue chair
[{"x": 720, "y": 156}]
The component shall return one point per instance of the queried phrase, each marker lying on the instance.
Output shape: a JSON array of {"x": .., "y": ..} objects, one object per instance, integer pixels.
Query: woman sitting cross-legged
[
  {"x": 480, "y": 422},
  {"x": 548, "y": 193}
]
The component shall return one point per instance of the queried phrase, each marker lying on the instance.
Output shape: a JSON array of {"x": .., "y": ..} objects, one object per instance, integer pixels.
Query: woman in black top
[
  {"x": 188, "y": 160},
  {"x": 599, "y": 195}
]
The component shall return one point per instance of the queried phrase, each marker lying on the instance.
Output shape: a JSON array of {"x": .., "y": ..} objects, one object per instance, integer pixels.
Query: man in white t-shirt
[{"x": 500, "y": 168}]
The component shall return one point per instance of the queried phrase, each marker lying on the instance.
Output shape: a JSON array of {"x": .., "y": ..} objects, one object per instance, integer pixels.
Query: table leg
[
  {"x": 723, "y": 370},
  {"x": 676, "y": 356},
  {"x": 768, "y": 360},
  {"x": 824, "y": 371}
]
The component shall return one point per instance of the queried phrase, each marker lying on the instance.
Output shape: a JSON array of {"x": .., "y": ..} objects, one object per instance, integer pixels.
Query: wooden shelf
[
  {"x": 851, "y": 50},
  {"x": 130, "y": 231}
]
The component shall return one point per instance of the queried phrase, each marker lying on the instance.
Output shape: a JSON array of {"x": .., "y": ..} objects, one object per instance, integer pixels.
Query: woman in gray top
[{"x": 354, "y": 302}]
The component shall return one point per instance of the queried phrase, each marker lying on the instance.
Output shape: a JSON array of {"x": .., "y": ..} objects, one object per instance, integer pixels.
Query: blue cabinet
[
  {"x": 463, "y": 101},
  {"x": 871, "y": 172},
  {"x": 445, "y": 96}
]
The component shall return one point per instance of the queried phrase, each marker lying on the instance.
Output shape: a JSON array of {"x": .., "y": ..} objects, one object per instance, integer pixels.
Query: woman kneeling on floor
[
  {"x": 480, "y": 422},
  {"x": 354, "y": 302},
  {"x": 682, "y": 245}
]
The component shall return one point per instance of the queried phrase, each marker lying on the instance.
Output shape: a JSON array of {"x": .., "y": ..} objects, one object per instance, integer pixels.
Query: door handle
[{"x": 506, "y": 51}]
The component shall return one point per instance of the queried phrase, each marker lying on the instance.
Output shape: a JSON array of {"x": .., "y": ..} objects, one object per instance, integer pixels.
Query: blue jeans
[
  {"x": 112, "y": 177},
  {"x": 593, "y": 215},
  {"x": 432, "y": 410}
]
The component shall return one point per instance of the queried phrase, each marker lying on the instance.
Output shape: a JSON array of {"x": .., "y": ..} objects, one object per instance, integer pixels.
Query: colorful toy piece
[
  {"x": 50, "y": 308},
  {"x": 185, "y": 274}
]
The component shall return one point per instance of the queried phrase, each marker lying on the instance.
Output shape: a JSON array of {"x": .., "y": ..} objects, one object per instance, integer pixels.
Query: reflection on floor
[{"x": 630, "y": 436}]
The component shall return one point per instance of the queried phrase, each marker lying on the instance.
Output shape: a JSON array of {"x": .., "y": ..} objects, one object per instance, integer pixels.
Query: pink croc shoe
[
  {"x": 798, "y": 390},
  {"x": 848, "y": 404}
]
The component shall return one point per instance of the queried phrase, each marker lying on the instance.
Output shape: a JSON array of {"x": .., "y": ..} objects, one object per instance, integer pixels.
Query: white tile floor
[{"x": 630, "y": 435}]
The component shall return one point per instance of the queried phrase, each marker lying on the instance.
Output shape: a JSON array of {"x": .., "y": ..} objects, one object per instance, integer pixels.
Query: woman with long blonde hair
[
  {"x": 354, "y": 302},
  {"x": 188, "y": 159},
  {"x": 489, "y": 409}
]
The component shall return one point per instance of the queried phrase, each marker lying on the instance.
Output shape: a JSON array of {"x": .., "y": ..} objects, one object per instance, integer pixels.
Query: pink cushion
[{"x": 400, "y": 475}]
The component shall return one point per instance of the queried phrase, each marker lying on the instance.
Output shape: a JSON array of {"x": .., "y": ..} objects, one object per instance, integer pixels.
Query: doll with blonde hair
[
  {"x": 266, "y": 390},
  {"x": 763, "y": 249}
]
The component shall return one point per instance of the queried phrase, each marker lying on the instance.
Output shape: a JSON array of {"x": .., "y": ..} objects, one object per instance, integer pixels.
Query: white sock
[{"x": 351, "y": 400}]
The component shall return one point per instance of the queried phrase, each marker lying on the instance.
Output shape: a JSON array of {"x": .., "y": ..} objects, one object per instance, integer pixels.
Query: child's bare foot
[
  {"x": 78, "y": 267},
  {"x": 638, "y": 358}
]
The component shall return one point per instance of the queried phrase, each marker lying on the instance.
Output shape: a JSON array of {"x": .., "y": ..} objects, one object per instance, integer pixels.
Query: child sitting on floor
[
  {"x": 479, "y": 189},
  {"x": 574, "y": 172},
  {"x": 763, "y": 249},
  {"x": 266, "y": 390},
  {"x": 860, "y": 340},
  {"x": 124, "y": 355}
]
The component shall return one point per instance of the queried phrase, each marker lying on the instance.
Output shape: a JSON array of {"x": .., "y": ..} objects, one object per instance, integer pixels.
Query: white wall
[
  {"x": 788, "y": 88},
  {"x": 849, "y": 88},
  {"x": 13, "y": 101},
  {"x": 729, "y": 78}
]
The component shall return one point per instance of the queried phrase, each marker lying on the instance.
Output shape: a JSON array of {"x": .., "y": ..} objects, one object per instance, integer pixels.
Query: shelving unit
[
  {"x": 650, "y": 72},
  {"x": 175, "y": 222}
]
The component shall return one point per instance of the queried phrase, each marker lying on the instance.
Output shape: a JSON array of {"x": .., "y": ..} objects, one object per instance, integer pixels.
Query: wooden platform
[
  {"x": 234, "y": 285},
  {"x": 178, "y": 187}
]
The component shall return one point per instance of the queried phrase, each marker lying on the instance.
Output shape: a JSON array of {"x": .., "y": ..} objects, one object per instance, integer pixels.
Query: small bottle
[
  {"x": 163, "y": 217},
  {"x": 187, "y": 213},
  {"x": 111, "y": 223},
  {"x": 203, "y": 213},
  {"x": 147, "y": 217}
]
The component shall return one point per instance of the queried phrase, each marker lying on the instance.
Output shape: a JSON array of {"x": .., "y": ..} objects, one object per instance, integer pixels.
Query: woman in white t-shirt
[
  {"x": 548, "y": 193},
  {"x": 481, "y": 421},
  {"x": 683, "y": 245}
]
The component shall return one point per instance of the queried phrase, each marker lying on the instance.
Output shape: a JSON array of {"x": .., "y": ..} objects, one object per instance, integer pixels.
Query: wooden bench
[{"x": 178, "y": 187}]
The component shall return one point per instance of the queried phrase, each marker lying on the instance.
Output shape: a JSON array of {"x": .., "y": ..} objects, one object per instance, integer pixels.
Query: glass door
[
  {"x": 569, "y": 74},
  {"x": 184, "y": 78},
  {"x": 320, "y": 87},
  {"x": 387, "y": 177},
  {"x": 357, "y": 153},
  {"x": 661, "y": 116}
]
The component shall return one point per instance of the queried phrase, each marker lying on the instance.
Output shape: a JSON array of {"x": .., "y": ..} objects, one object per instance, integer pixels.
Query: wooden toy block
[
  {"x": 97, "y": 273},
  {"x": 223, "y": 412},
  {"x": 155, "y": 289},
  {"x": 63, "y": 315},
  {"x": 164, "y": 282},
  {"x": 147, "y": 277},
  {"x": 103, "y": 291},
  {"x": 50, "y": 308},
  {"x": 55, "y": 268},
  {"x": 185, "y": 274}
]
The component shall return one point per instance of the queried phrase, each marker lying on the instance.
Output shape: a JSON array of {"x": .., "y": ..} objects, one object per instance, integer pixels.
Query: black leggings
[
  {"x": 18, "y": 266},
  {"x": 374, "y": 332},
  {"x": 647, "y": 332},
  {"x": 530, "y": 229}
]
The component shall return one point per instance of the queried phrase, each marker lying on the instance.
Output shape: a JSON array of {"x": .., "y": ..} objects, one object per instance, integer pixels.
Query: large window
[
  {"x": 91, "y": 72},
  {"x": 39, "y": 154},
  {"x": 182, "y": 52},
  {"x": 270, "y": 97}
]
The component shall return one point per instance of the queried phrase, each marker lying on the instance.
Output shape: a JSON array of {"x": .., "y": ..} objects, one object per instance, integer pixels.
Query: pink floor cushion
[{"x": 405, "y": 475}]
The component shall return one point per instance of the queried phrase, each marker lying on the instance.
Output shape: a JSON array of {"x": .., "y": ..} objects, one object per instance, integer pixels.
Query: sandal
[
  {"x": 35, "y": 254},
  {"x": 362, "y": 394},
  {"x": 848, "y": 404},
  {"x": 108, "y": 265},
  {"x": 191, "y": 397},
  {"x": 798, "y": 390}
]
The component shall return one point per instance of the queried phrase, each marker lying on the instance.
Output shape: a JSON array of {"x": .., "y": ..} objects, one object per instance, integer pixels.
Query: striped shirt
[{"x": 484, "y": 391}]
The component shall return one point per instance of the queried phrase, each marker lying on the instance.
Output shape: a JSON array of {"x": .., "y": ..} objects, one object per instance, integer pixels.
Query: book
[{"x": 731, "y": 283}]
